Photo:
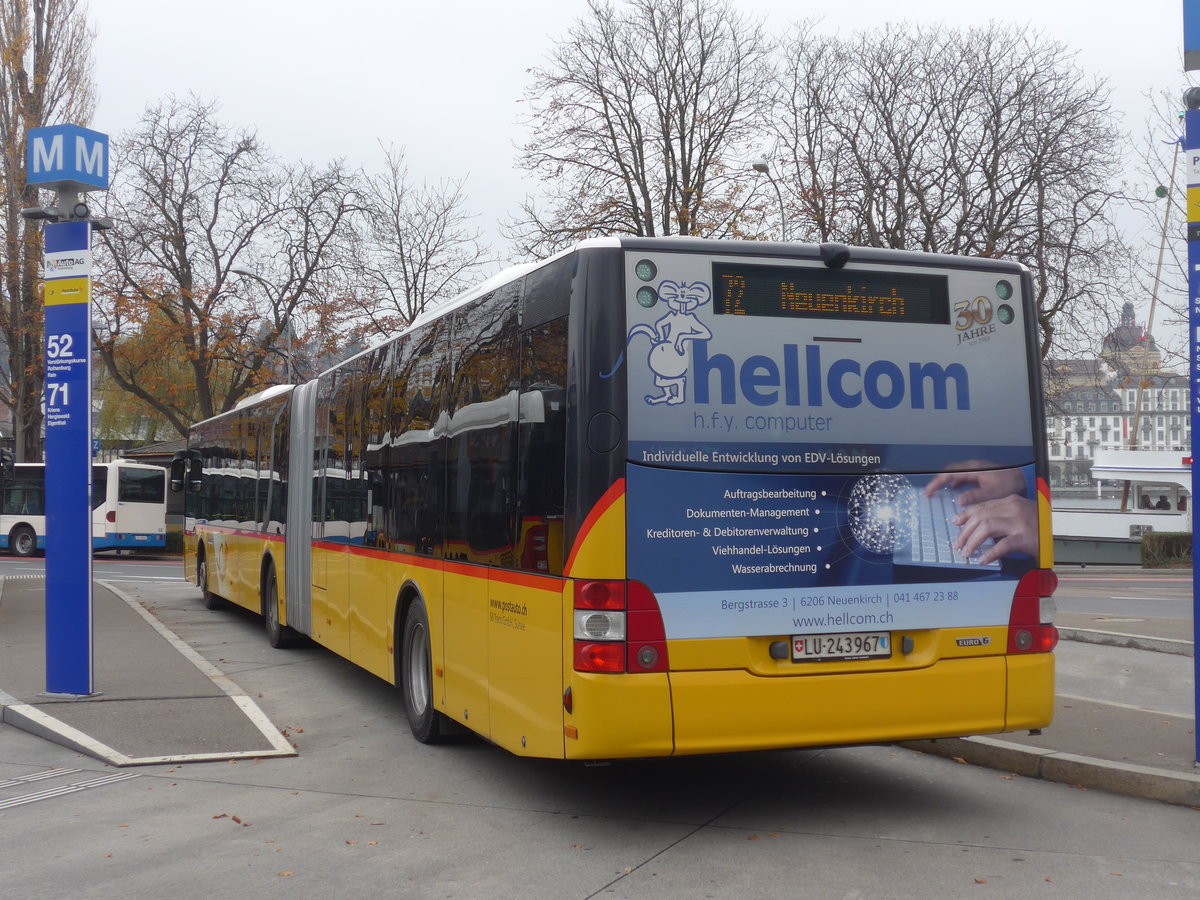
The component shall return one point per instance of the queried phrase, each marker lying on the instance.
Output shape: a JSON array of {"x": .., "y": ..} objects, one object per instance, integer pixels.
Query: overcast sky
[{"x": 444, "y": 80}]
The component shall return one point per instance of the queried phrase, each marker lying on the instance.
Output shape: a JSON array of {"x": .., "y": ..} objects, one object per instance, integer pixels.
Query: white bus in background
[{"x": 129, "y": 507}]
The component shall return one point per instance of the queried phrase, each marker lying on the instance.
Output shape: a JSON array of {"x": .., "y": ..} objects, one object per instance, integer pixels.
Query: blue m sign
[{"x": 67, "y": 157}]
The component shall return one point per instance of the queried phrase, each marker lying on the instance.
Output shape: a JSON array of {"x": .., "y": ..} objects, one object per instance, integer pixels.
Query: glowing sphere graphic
[{"x": 881, "y": 512}]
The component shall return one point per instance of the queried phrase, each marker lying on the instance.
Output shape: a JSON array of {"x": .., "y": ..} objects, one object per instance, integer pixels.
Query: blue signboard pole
[
  {"x": 72, "y": 161},
  {"x": 1191, "y": 146},
  {"x": 1191, "y": 143},
  {"x": 69, "y": 668}
]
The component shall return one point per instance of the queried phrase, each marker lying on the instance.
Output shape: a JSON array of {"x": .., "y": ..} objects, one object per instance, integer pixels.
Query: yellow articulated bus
[{"x": 658, "y": 497}]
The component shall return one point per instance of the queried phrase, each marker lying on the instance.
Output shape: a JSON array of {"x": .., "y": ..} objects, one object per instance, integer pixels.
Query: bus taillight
[
  {"x": 618, "y": 628},
  {"x": 1031, "y": 623}
]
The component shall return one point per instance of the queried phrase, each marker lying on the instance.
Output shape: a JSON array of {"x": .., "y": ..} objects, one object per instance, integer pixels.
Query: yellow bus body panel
[
  {"x": 234, "y": 561},
  {"x": 1030, "y": 691},
  {"x": 371, "y": 593},
  {"x": 330, "y": 611},
  {"x": 525, "y": 659},
  {"x": 620, "y": 716},
  {"x": 599, "y": 550},
  {"x": 465, "y": 637}
]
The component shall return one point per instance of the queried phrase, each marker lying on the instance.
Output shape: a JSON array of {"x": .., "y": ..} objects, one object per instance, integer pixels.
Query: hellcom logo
[
  {"x": 679, "y": 355},
  {"x": 761, "y": 380}
]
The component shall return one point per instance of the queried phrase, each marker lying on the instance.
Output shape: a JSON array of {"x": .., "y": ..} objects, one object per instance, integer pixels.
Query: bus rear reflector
[
  {"x": 647, "y": 634},
  {"x": 599, "y": 657},
  {"x": 1027, "y": 632},
  {"x": 618, "y": 628}
]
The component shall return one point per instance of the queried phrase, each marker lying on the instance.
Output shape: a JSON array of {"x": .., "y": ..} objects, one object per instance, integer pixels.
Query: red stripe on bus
[
  {"x": 471, "y": 570},
  {"x": 614, "y": 493}
]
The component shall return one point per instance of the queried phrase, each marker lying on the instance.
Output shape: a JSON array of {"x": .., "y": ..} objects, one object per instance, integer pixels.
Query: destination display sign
[{"x": 799, "y": 292}]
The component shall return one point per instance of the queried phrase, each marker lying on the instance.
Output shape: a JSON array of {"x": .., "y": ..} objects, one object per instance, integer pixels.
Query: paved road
[
  {"x": 366, "y": 810},
  {"x": 1110, "y": 591},
  {"x": 105, "y": 567}
]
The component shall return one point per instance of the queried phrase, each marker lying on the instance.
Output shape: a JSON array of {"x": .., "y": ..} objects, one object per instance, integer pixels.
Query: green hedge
[
  {"x": 1166, "y": 549},
  {"x": 175, "y": 542}
]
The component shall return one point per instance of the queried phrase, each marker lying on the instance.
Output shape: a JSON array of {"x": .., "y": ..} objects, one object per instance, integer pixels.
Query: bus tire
[
  {"x": 22, "y": 541},
  {"x": 279, "y": 636},
  {"x": 416, "y": 677},
  {"x": 211, "y": 600}
]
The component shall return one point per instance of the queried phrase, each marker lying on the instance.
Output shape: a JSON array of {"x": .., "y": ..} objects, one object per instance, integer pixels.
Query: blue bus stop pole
[
  {"x": 1191, "y": 143},
  {"x": 72, "y": 161},
  {"x": 1191, "y": 146},
  {"x": 68, "y": 402}
]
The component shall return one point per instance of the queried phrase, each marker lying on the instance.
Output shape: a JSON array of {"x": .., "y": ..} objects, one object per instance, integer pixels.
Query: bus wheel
[
  {"x": 278, "y": 636},
  {"x": 416, "y": 677},
  {"x": 22, "y": 541},
  {"x": 211, "y": 600}
]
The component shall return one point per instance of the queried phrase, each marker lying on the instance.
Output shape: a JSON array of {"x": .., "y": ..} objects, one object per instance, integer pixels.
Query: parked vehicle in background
[{"x": 129, "y": 507}]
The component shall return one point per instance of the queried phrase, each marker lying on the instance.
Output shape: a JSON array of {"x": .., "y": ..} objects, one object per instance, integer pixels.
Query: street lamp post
[
  {"x": 287, "y": 319},
  {"x": 760, "y": 166}
]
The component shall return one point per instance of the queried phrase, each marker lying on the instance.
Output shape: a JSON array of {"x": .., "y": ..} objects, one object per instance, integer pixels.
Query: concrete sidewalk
[
  {"x": 1092, "y": 744},
  {"x": 161, "y": 702}
]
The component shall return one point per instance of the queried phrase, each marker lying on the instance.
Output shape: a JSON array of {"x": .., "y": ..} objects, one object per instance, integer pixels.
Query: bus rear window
[{"x": 141, "y": 485}]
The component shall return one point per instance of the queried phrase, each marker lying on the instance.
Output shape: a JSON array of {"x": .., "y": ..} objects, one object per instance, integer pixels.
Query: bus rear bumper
[
  {"x": 117, "y": 541},
  {"x": 729, "y": 711},
  {"x": 721, "y": 712}
]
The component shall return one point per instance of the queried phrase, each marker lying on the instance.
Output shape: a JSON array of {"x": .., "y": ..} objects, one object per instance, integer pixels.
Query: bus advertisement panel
[{"x": 810, "y": 447}]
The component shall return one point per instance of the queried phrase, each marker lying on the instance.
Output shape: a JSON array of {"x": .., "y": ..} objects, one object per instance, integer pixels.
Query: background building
[{"x": 1093, "y": 404}]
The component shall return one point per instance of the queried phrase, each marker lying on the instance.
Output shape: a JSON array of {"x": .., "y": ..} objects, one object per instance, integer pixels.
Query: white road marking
[{"x": 65, "y": 789}]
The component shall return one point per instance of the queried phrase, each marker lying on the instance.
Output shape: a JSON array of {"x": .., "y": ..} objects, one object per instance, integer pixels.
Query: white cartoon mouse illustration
[{"x": 670, "y": 335}]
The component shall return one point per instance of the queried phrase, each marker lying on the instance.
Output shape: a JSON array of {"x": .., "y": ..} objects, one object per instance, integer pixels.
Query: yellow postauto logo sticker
[{"x": 60, "y": 291}]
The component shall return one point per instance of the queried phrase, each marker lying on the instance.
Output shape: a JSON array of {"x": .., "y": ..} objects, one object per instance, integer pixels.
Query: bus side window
[
  {"x": 542, "y": 448},
  {"x": 480, "y": 474}
]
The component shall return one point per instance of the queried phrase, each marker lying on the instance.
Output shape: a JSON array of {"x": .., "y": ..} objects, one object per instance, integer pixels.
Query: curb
[
  {"x": 1132, "y": 641},
  {"x": 1179, "y": 788},
  {"x": 31, "y": 719}
]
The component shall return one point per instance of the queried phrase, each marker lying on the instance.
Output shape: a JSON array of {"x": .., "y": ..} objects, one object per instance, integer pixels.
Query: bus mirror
[
  {"x": 7, "y": 467},
  {"x": 178, "y": 472},
  {"x": 195, "y": 475}
]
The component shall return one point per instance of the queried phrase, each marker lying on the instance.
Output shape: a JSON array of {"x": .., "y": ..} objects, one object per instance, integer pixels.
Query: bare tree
[
  {"x": 420, "y": 246},
  {"x": 1158, "y": 195},
  {"x": 45, "y": 79},
  {"x": 985, "y": 141},
  {"x": 220, "y": 256},
  {"x": 640, "y": 121}
]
